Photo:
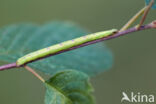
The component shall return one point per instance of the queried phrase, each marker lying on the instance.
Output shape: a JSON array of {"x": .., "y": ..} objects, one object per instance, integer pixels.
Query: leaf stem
[
  {"x": 133, "y": 19},
  {"x": 33, "y": 72}
]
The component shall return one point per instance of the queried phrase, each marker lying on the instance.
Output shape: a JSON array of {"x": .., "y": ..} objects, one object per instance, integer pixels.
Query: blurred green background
[{"x": 135, "y": 55}]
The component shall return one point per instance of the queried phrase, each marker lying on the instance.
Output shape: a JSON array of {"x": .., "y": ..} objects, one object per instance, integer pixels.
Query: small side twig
[
  {"x": 133, "y": 19},
  {"x": 145, "y": 14},
  {"x": 34, "y": 73}
]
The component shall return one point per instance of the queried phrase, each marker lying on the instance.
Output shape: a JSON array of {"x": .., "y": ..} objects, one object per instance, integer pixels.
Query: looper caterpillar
[{"x": 62, "y": 46}]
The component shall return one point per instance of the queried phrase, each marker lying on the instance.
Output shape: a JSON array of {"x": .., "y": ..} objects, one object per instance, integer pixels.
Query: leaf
[
  {"x": 21, "y": 39},
  {"x": 154, "y": 5},
  {"x": 69, "y": 87}
]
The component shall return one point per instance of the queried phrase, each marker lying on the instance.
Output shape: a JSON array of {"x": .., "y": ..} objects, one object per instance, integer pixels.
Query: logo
[{"x": 137, "y": 98}]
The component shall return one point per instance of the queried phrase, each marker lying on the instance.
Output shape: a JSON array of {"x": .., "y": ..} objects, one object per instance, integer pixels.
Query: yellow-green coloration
[{"x": 62, "y": 46}]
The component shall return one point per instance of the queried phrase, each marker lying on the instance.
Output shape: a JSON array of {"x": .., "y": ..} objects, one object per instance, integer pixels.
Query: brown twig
[
  {"x": 145, "y": 14},
  {"x": 118, "y": 34},
  {"x": 8, "y": 66}
]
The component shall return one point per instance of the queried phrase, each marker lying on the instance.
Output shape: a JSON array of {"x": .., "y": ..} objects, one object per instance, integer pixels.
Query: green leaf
[
  {"x": 69, "y": 87},
  {"x": 18, "y": 40}
]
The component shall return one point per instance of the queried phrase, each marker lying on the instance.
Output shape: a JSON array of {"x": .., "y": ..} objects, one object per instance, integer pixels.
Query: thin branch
[
  {"x": 145, "y": 14},
  {"x": 115, "y": 35},
  {"x": 8, "y": 66},
  {"x": 133, "y": 19},
  {"x": 118, "y": 34},
  {"x": 34, "y": 73}
]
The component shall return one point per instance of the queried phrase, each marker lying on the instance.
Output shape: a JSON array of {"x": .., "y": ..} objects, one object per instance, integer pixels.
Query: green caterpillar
[{"x": 62, "y": 46}]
